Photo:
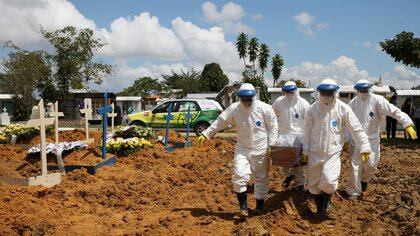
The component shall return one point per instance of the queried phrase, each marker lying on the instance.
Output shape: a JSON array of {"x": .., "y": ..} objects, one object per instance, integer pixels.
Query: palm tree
[
  {"x": 253, "y": 51},
  {"x": 276, "y": 66},
  {"x": 242, "y": 46},
  {"x": 263, "y": 58}
]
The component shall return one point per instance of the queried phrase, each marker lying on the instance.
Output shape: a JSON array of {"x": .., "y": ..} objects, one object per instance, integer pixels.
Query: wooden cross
[
  {"x": 55, "y": 114},
  {"x": 42, "y": 122},
  {"x": 112, "y": 114},
  {"x": 87, "y": 111}
]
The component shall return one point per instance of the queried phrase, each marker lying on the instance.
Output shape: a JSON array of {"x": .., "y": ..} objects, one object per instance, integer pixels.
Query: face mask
[
  {"x": 247, "y": 102},
  {"x": 326, "y": 99},
  {"x": 363, "y": 96}
]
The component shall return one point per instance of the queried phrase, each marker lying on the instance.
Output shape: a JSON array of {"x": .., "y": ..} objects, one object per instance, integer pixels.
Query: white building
[
  {"x": 347, "y": 92},
  {"x": 404, "y": 94}
]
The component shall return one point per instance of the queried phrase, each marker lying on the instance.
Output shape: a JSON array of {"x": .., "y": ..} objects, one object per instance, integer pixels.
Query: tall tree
[
  {"x": 258, "y": 82},
  {"x": 74, "y": 58},
  {"x": 299, "y": 83},
  {"x": 276, "y": 67},
  {"x": 242, "y": 46},
  {"x": 188, "y": 81},
  {"x": 253, "y": 52},
  {"x": 144, "y": 87},
  {"x": 263, "y": 58},
  {"x": 404, "y": 47},
  {"x": 22, "y": 71},
  {"x": 212, "y": 78}
]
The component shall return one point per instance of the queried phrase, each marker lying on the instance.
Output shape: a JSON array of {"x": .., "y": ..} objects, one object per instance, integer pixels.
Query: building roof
[
  {"x": 301, "y": 90},
  {"x": 376, "y": 89},
  {"x": 128, "y": 98},
  {"x": 201, "y": 95},
  {"x": 407, "y": 92}
]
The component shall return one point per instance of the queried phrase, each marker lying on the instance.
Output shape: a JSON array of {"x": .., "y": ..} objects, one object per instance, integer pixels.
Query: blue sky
[{"x": 317, "y": 39}]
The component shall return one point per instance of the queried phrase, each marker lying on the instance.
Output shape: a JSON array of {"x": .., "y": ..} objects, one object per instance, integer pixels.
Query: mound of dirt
[{"x": 189, "y": 192}]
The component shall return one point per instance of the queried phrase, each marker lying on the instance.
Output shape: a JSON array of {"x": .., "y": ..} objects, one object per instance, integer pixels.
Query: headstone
[
  {"x": 34, "y": 112},
  {"x": 55, "y": 114},
  {"x": 112, "y": 114},
  {"x": 87, "y": 111},
  {"x": 104, "y": 112},
  {"x": 5, "y": 118}
]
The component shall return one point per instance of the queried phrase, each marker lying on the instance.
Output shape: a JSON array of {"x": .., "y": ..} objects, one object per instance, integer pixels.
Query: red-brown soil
[{"x": 188, "y": 192}]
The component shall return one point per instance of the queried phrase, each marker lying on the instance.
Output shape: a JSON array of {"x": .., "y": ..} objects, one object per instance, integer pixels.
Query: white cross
[
  {"x": 55, "y": 114},
  {"x": 112, "y": 115},
  {"x": 4, "y": 110},
  {"x": 42, "y": 122},
  {"x": 87, "y": 111}
]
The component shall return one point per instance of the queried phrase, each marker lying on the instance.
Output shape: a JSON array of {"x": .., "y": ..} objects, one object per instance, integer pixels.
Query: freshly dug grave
[{"x": 189, "y": 192}]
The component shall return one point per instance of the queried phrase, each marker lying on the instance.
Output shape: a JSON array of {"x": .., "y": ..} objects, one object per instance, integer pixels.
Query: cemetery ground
[{"x": 189, "y": 192}]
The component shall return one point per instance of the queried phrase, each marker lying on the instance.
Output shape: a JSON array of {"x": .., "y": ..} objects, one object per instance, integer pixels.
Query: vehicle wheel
[
  {"x": 200, "y": 127},
  {"x": 138, "y": 123}
]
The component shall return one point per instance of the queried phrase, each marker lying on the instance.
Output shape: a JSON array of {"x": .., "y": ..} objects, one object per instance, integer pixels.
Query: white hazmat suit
[
  {"x": 324, "y": 135},
  {"x": 256, "y": 129},
  {"x": 291, "y": 111},
  {"x": 370, "y": 109}
]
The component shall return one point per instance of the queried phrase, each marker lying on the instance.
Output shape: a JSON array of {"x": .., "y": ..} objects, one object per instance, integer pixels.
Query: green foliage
[
  {"x": 258, "y": 82},
  {"x": 74, "y": 58},
  {"x": 134, "y": 131},
  {"x": 242, "y": 45},
  {"x": 404, "y": 47},
  {"x": 263, "y": 58},
  {"x": 253, "y": 48},
  {"x": 22, "y": 72},
  {"x": 299, "y": 83},
  {"x": 144, "y": 87},
  {"x": 276, "y": 67},
  {"x": 212, "y": 78},
  {"x": 188, "y": 81}
]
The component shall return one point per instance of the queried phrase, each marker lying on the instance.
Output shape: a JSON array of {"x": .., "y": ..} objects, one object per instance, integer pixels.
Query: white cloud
[
  {"x": 20, "y": 20},
  {"x": 343, "y": 69},
  {"x": 257, "y": 16},
  {"x": 401, "y": 78},
  {"x": 367, "y": 45},
  {"x": 228, "y": 18},
  {"x": 125, "y": 75},
  {"x": 141, "y": 36},
  {"x": 308, "y": 24},
  {"x": 304, "y": 19},
  {"x": 203, "y": 46}
]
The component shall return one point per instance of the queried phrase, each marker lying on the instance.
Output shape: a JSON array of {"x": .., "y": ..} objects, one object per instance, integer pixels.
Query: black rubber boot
[
  {"x": 364, "y": 186},
  {"x": 287, "y": 181},
  {"x": 260, "y": 205},
  {"x": 327, "y": 206},
  {"x": 318, "y": 201},
  {"x": 243, "y": 204}
]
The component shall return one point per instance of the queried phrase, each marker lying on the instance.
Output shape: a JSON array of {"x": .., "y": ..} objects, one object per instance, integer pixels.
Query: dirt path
[{"x": 189, "y": 192}]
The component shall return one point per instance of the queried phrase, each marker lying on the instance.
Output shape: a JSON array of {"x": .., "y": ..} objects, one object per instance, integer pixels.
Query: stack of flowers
[
  {"x": 3, "y": 138},
  {"x": 134, "y": 131},
  {"x": 22, "y": 132},
  {"x": 126, "y": 146}
]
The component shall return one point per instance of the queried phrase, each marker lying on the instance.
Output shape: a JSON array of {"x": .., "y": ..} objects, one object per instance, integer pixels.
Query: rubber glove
[
  {"x": 303, "y": 159},
  {"x": 201, "y": 140},
  {"x": 365, "y": 156},
  {"x": 411, "y": 132}
]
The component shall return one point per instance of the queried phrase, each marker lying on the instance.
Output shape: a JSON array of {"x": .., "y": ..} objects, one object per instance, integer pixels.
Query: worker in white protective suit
[
  {"x": 290, "y": 110},
  {"x": 325, "y": 124},
  {"x": 370, "y": 109},
  {"x": 256, "y": 126}
]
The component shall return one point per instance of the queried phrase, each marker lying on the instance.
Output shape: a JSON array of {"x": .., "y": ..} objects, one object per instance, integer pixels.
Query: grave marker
[
  {"x": 87, "y": 111},
  {"x": 55, "y": 114}
]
